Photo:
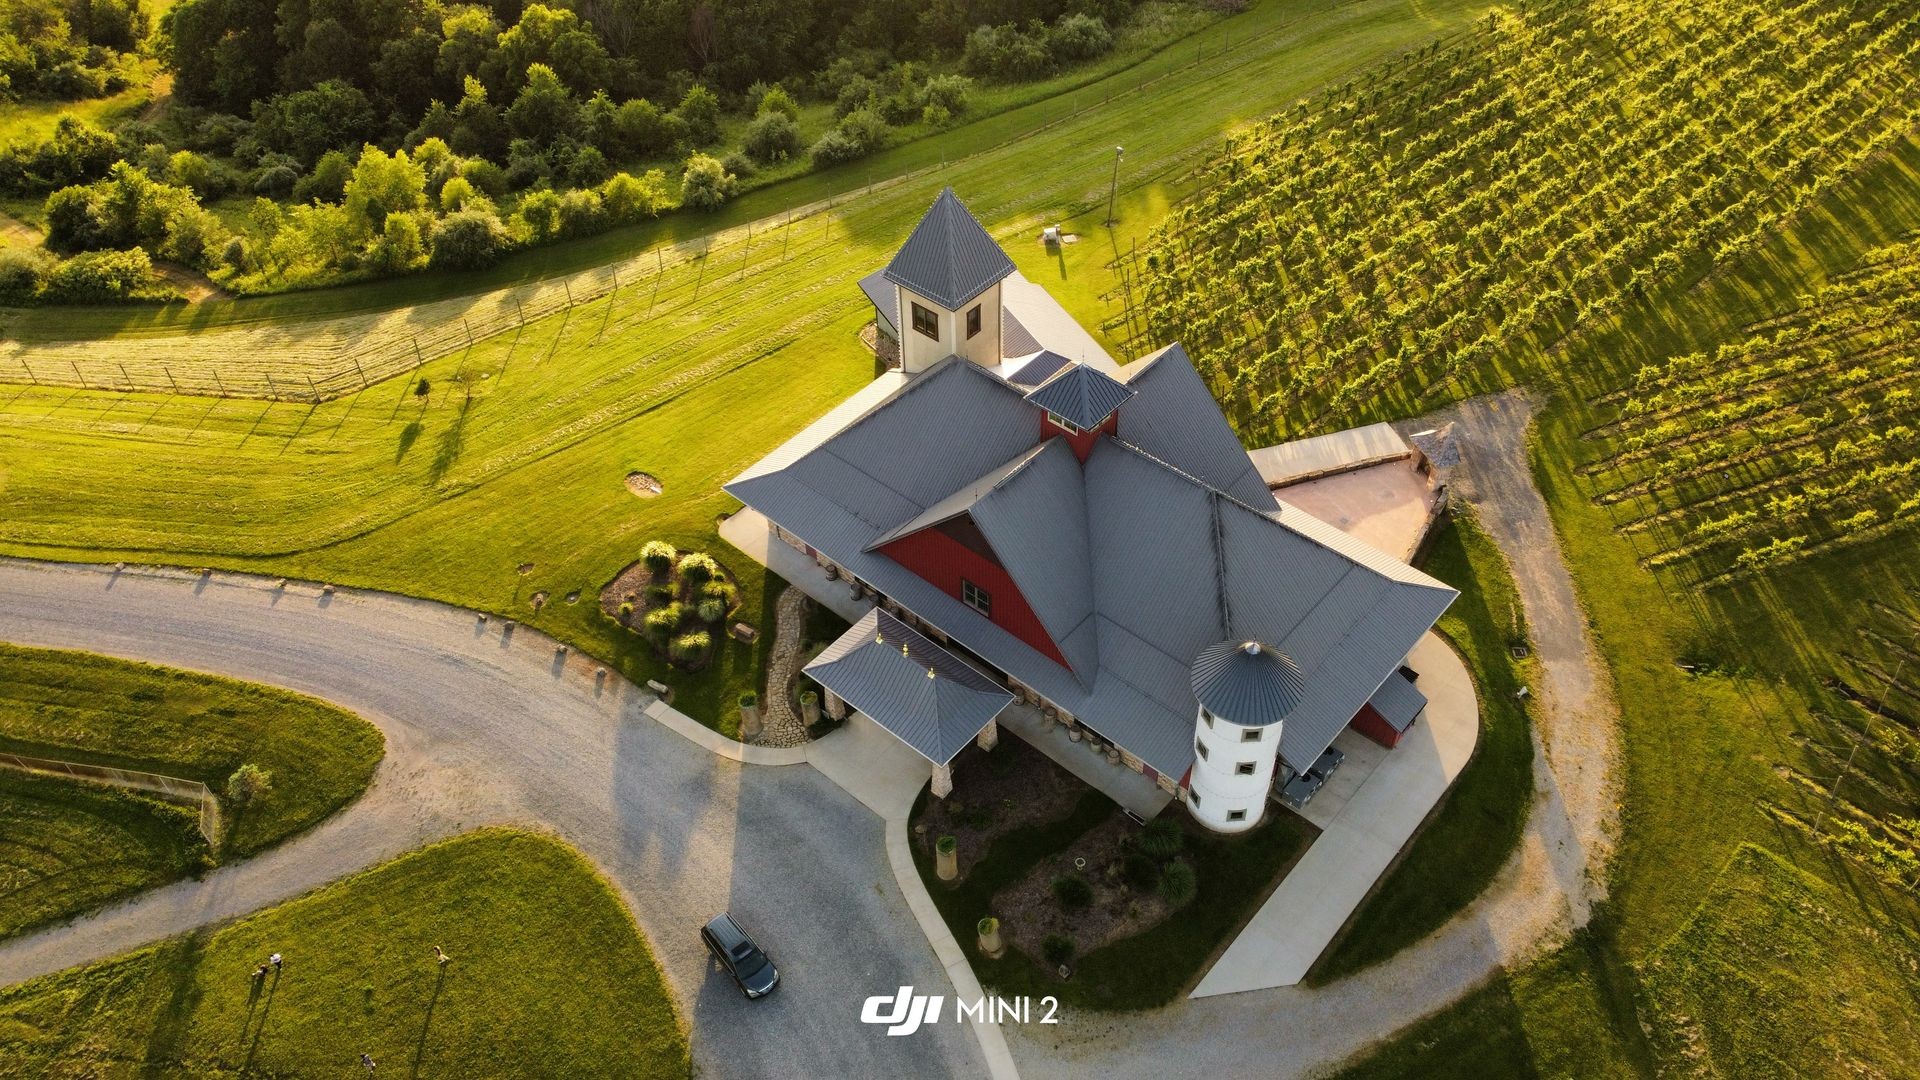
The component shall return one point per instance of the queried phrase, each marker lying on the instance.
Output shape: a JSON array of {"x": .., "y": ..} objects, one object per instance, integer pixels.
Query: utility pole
[{"x": 1113, "y": 190}]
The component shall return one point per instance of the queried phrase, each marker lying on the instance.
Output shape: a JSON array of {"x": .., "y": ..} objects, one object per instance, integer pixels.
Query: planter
[
  {"x": 1074, "y": 734},
  {"x": 990, "y": 942},
  {"x": 749, "y": 717},
  {"x": 1113, "y": 757},
  {"x": 946, "y": 858},
  {"x": 809, "y": 708}
]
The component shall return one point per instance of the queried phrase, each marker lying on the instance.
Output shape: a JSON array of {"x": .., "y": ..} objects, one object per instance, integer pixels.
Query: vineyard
[
  {"x": 1496, "y": 191},
  {"x": 1802, "y": 436}
]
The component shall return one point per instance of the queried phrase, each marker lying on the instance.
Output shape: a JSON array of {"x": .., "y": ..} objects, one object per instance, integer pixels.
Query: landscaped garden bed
[
  {"x": 679, "y": 601},
  {"x": 1133, "y": 914}
]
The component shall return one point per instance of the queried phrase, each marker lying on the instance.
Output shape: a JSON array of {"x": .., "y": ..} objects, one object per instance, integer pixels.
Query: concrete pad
[
  {"x": 1130, "y": 789},
  {"x": 1385, "y": 505},
  {"x": 872, "y": 765},
  {"x": 1365, "y": 829}
]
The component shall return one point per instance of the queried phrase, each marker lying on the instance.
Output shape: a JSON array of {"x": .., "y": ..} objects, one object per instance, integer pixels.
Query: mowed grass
[
  {"x": 446, "y": 496},
  {"x": 82, "y": 707},
  {"x": 550, "y": 977},
  {"x": 69, "y": 847},
  {"x": 1471, "y": 834}
]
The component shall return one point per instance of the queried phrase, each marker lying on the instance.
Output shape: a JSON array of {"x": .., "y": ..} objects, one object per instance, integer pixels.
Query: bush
[
  {"x": 721, "y": 589},
  {"x": 1139, "y": 871},
  {"x": 950, "y": 92},
  {"x": 641, "y": 129},
  {"x": 712, "y": 611},
  {"x": 662, "y": 622},
  {"x": 772, "y": 137},
  {"x": 628, "y": 199},
  {"x": 1079, "y": 38},
  {"x": 1072, "y": 891},
  {"x": 626, "y": 610},
  {"x": 706, "y": 184},
  {"x": 697, "y": 568},
  {"x": 866, "y": 128},
  {"x": 936, "y": 116},
  {"x": 100, "y": 277},
  {"x": 1007, "y": 53},
  {"x": 658, "y": 555},
  {"x": 740, "y": 165},
  {"x": 699, "y": 110},
  {"x": 249, "y": 784},
  {"x": 1163, "y": 837},
  {"x": 193, "y": 171},
  {"x": 691, "y": 646},
  {"x": 23, "y": 271},
  {"x": 777, "y": 102},
  {"x": 1057, "y": 948},
  {"x": 835, "y": 148},
  {"x": 328, "y": 180},
  {"x": 1178, "y": 883},
  {"x": 468, "y": 240}
]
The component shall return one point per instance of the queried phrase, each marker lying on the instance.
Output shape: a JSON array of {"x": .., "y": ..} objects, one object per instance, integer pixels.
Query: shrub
[
  {"x": 697, "y": 568},
  {"x": 866, "y": 128},
  {"x": 1007, "y": 53},
  {"x": 712, "y": 610},
  {"x": 662, "y": 622},
  {"x": 468, "y": 240},
  {"x": 706, "y": 184},
  {"x": 699, "y": 110},
  {"x": 659, "y": 556},
  {"x": 23, "y": 271},
  {"x": 721, "y": 589},
  {"x": 328, "y": 180},
  {"x": 936, "y": 116},
  {"x": 1072, "y": 891},
  {"x": 835, "y": 148},
  {"x": 773, "y": 136},
  {"x": 641, "y": 129},
  {"x": 191, "y": 170},
  {"x": 777, "y": 102},
  {"x": 588, "y": 167},
  {"x": 740, "y": 165},
  {"x": 858, "y": 92},
  {"x": 626, "y": 610},
  {"x": 1163, "y": 838},
  {"x": 422, "y": 388},
  {"x": 628, "y": 199},
  {"x": 950, "y": 92},
  {"x": 691, "y": 646},
  {"x": 1057, "y": 948},
  {"x": 659, "y": 593},
  {"x": 1178, "y": 883},
  {"x": 276, "y": 179},
  {"x": 1139, "y": 871},
  {"x": 100, "y": 276},
  {"x": 1078, "y": 38},
  {"x": 249, "y": 784},
  {"x": 581, "y": 213}
]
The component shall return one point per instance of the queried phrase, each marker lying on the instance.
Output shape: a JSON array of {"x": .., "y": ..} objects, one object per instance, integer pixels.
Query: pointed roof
[
  {"x": 1246, "y": 683},
  {"x": 949, "y": 259},
  {"x": 1081, "y": 395},
  {"x": 923, "y": 694}
]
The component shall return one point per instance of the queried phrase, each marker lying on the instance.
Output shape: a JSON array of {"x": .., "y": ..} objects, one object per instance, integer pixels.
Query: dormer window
[
  {"x": 1062, "y": 423},
  {"x": 926, "y": 321},
  {"x": 976, "y": 598}
]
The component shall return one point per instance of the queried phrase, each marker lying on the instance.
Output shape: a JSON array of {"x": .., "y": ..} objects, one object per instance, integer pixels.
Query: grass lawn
[
  {"x": 69, "y": 847},
  {"x": 1150, "y": 969},
  {"x": 446, "y": 497},
  {"x": 1471, "y": 834},
  {"x": 550, "y": 977},
  {"x": 76, "y": 706}
]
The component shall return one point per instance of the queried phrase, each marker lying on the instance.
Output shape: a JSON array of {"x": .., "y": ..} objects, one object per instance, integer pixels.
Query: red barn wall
[
  {"x": 1082, "y": 443},
  {"x": 942, "y": 561},
  {"x": 1370, "y": 723}
]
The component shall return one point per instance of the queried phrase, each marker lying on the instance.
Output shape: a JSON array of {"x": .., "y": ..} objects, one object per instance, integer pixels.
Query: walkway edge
[{"x": 712, "y": 741}]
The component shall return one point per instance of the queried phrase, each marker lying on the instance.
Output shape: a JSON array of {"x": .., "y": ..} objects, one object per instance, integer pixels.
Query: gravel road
[{"x": 486, "y": 725}]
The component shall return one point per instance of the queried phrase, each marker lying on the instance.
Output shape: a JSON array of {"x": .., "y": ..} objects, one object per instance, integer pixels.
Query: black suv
[{"x": 744, "y": 960}]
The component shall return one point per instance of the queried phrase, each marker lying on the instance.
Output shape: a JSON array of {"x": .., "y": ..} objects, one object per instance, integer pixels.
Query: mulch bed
[
  {"x": 1028, "y": 911},
  {"x": 994, "y": 792},
  {"x": 630, "y": 585}
]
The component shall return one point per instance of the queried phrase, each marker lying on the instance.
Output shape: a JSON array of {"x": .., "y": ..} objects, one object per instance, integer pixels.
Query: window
[
  {"x": 1200, "y": 748},
  {"x": 1193, "y": 797},
  {"x": 976, "y": 598},
  {"x": 973, "y": 321},
  {"x": 1236, "y": 815},
  {"x": 926, "y": 321},
  {"x": 1245, "y": 768},
  {"x": 1062, "y": 423},
  {"x": 1207, "y": 717},
  {"x": 1250, "y": 735}
]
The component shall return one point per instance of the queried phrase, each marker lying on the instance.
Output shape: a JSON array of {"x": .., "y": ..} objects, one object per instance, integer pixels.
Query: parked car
[
  {"x": 1299, "y": 791},
  {"x": 740, "y": 955},
  {"x": 1329, "y": 761}
]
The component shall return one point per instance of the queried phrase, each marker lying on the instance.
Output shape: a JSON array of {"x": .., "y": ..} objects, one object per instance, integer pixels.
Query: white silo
[{"x": 1245, "y": 691}]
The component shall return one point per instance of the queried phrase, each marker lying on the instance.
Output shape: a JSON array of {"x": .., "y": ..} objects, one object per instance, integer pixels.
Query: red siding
[
  {"x": 1370, "y": 723},
  {"x": 942, "y": 561},
  {"x": 1083, "y": 442}
]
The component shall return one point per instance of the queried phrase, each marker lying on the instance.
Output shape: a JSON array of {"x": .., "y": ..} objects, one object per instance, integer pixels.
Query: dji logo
[{"x": 904, "y": 1011}]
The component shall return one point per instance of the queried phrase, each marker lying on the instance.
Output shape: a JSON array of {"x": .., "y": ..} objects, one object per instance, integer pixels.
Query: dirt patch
[
  {"x": 1120, "y": 908},
  {"x": 539, "y": 600},
  {"x": 645, "y": 485},
  {"x": 525, "y": 569}
]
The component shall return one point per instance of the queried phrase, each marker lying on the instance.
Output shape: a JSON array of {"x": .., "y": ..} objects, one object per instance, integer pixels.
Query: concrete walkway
[
  {"x": 1130, "y": 789},
  {"x": 1361, "y": 834},
  {"x": 487, "y": 724}
]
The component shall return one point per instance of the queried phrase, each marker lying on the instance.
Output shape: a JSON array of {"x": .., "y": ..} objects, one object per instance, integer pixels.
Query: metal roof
[
  {"x": 1398, "y": 701},
  {"x": 1015, "y": 338},
  {"x": 930, "y": 699},
  {"x": 949, "y": 258},
  {"x": 1035, "y": 369},
  {"x": 885, "y": 300},
  {"x": 1325, "y": 455},
  {"x": 1174, "y": 417},
  {"x": 1246, "y": 683},
  {"x": 1081, "y": 395}
]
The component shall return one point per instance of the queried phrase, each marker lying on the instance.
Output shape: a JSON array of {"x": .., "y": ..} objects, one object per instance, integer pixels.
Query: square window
[
  {"x": 1236, "y": 815},
  {"x": 1250, "y": 735},
  {"x": 926, "y": 321},
  {"x": 1193, "y": 797},
  {"x": 1200, "y": 748},
  {"x": 1062, "y": 423},
  {"x": 973, "y": 321},
  {"x": 1245, "y": 768},
  {"x": 976, "y": 598}
]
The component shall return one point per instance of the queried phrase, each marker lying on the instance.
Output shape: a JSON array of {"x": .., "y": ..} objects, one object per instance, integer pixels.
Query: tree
[
  {"x": 249, "y": 784},
  {"x": 328, "y": 180},
  {"x": 545, "y": 109},
  {"x": 642, "y": 130},
  {"x": 196, "y": 172},
  {"x": 772, "y": 137},
  {"x": 777, "y": 100},
  {"x": 478, "y": 128},
  {"x": 224, "y": 53},
  {"x": 699, "y": 110},
  {"x": 468, "y": 240},
  {"x": 308, "y": 123},
  {"x": 467, "y": 37},
  {"x": 706, "y": 185},
  {"x": 628, "y": 199},
  {"x": 383, "y": 184}
]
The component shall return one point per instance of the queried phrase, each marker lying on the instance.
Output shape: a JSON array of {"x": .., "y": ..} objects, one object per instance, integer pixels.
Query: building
[{"x": 1036, "y": 523}]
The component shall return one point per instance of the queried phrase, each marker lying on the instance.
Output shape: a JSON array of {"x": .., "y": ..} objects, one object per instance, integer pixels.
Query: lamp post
[{"x": 1114, "y": 189}]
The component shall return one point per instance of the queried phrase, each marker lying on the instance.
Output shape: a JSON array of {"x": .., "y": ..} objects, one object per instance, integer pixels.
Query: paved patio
[
  {"x": 1365, "y": 818},
  {"x": 1128, "y": 788},
  {"x": 1384, "y": 505}
]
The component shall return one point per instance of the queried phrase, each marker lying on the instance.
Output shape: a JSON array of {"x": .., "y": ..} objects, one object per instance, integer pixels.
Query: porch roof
[{"x": 927, "y": 697}]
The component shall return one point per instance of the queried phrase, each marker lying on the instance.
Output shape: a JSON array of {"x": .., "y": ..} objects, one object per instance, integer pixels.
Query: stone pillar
[
  {"x": 942, "y": 781},
  {"x": 989, "y": 735},
  {"x": 836, "y": 707}
]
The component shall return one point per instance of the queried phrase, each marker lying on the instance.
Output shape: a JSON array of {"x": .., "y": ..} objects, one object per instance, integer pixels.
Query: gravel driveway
[{"x": 487, "y": 725}]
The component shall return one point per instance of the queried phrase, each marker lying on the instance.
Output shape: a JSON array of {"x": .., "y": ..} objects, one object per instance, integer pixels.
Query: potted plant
[
  {"x": 946, "y": 858},
  {"x": 809, "y": 707},
  {"x": 749, "y": 713},
  {"x": 990, "y": 942}
]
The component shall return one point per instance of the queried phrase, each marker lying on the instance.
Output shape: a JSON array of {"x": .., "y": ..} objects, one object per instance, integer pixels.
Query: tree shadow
[
  {"x": 408, "y": 436},
  {"x": 450, "y": 445}
]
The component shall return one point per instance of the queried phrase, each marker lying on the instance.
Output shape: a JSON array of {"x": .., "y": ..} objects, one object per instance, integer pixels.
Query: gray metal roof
[
  {"x": 1398, "y": 701},
  {"x": 885, "y": 300},
  {"x": 1016, "y": 339},
  {"x": 1134, "y": 561},
  {"x": 1246, "y": 683},
  {"x": 1037, "y": 368},
  {"x": 930, "y": 699},
  {"x": 1081, "y": 395},
  {"x": 949, "y": 258},
  {"x": 1325, "y": 455}
]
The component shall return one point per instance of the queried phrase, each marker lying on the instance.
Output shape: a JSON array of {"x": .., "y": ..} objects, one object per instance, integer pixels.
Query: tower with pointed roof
[
  {"x": 1245, "y": 691},
  {"x": 947, "y": 277}
]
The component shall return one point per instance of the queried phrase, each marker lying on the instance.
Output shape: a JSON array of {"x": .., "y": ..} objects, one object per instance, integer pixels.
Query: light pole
[{"x": 1118, "y": 153}]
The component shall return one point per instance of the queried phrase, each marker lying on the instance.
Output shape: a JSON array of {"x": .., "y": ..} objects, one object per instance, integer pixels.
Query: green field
[{"x": 516, "y": 912}]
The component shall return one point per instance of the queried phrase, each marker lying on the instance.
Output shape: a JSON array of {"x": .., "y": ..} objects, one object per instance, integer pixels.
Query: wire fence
[{"x": 189, "y": 792}]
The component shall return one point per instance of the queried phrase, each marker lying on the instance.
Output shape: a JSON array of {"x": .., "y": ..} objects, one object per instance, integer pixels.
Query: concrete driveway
[{"x": 487, "y": 724}]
